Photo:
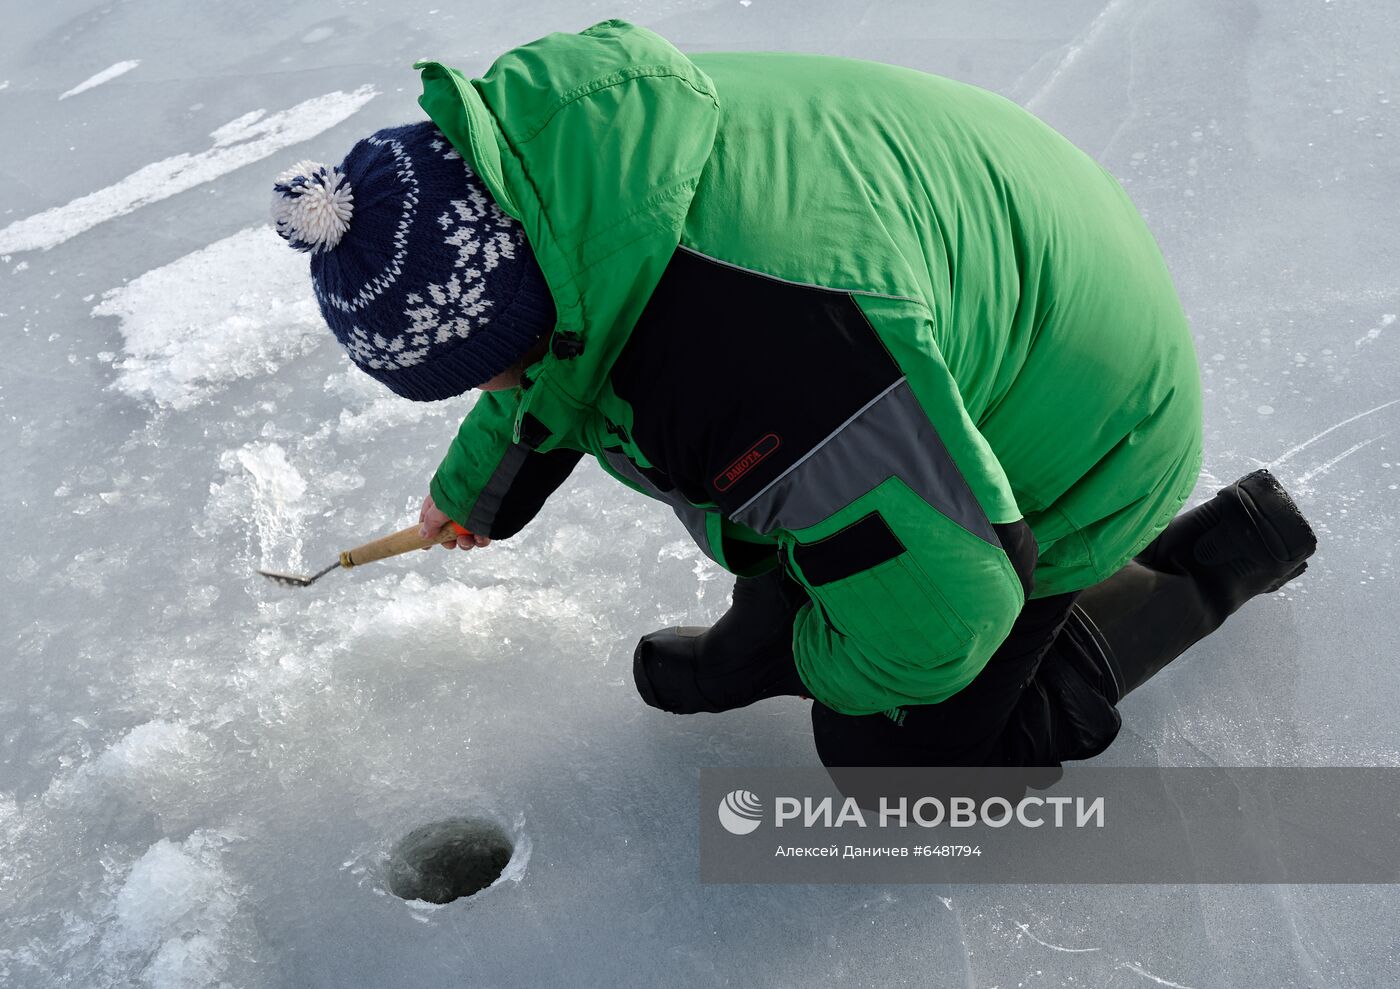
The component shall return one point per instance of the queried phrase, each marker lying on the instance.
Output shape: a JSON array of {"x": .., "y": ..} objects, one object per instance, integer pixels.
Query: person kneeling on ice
[{"x": 901, "y": 357}]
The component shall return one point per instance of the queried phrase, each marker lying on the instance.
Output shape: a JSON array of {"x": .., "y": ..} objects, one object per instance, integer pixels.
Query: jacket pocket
[{"x": 895, "y": 611}]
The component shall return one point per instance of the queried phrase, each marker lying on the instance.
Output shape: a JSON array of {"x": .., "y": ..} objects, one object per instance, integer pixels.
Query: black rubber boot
[
  {"x": 745, "y": 657},
  {"x": 1250, "y": 539},
  {"x": 1141, "y": 619}
]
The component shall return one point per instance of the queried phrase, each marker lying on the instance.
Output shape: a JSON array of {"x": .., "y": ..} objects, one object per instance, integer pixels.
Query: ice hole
[{"x": 447, "y": 860}]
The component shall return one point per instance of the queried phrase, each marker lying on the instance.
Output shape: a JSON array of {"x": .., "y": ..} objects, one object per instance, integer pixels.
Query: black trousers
[
  {"x": 1043, "y": 697},
  {"x": 1049, "y": 692}
]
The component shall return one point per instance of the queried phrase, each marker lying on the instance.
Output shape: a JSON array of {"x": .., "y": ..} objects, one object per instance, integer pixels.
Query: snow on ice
[
  {"x": 106, "y": 75},
  {"x": 236, "y": 308}
]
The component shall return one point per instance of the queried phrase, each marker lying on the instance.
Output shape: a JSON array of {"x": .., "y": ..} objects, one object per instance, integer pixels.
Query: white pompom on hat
[{"x": 312, "y": 205}]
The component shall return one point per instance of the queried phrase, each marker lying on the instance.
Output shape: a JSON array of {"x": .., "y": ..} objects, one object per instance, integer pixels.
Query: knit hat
[{"x": 428, "y": 285}]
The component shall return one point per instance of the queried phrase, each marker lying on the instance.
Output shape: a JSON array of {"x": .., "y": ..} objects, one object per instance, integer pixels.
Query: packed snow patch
[
  {"x": 1376, "y": 330},
  {"x": 106, "y": 75},
  {"x": 177, "y": 907},
  {"x": 240, "y": 142},
  {"x": 240, "y": 307},
  {"x": 156, "y": 750}
]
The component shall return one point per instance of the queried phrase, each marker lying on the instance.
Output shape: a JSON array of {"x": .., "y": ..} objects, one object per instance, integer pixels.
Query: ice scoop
[{"x": 381, "y": 549}]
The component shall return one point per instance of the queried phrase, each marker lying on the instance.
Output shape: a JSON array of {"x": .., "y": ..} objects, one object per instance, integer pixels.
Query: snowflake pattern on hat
[{"x": 483, "y": 235}]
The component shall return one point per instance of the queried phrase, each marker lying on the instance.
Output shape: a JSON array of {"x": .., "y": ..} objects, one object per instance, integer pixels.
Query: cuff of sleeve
[{"x": 448, "y": 505}]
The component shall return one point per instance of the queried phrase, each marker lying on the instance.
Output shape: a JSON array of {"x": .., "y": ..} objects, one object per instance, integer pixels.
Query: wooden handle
[{"x": 400, "y": 542}]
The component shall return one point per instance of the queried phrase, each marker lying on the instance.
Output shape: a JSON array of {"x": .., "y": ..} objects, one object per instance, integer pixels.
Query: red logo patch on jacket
[{"x": 746, "y": 462}]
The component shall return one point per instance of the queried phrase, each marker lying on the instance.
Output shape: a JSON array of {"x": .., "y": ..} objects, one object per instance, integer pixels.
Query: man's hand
[{"x": 431, "y": 521}]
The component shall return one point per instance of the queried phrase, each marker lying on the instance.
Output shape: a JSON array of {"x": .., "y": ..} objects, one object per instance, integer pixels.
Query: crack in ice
[
  {"x": 1075, "y": 49},
  {"x": 1324, "y": 468},
  {"x": 1026, "y": 930},
  {"x": 1139, "y": 970},
  {"x": 1287, "y": 454}
]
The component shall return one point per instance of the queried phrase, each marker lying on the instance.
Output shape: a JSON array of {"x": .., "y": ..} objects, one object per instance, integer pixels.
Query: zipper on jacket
[{"x": 528, "y": 381}]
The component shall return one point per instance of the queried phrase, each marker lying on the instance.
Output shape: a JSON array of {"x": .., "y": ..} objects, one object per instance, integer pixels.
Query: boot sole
[
  {"x": 1285, "y": 532},
  {"x": 1296, "y": 572},
  {"x": 641, "y": 681},
  {"x": 639, "y": 678}
]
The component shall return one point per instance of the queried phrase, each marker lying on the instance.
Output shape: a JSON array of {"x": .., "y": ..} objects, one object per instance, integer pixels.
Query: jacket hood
[{"x": 595, "y": 142}]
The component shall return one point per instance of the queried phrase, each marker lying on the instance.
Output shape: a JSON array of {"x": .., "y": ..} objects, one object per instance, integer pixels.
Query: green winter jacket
[{"x": 851, "y": 316}]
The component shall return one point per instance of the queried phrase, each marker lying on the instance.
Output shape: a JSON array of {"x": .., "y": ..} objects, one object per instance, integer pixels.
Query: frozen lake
[{"x": 201, "y": 774}]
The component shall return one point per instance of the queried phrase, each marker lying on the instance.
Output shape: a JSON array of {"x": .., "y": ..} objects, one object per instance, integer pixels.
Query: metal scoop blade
[
  {"x": 296, "y": 580},
  {"x": 395, "y": 544}
]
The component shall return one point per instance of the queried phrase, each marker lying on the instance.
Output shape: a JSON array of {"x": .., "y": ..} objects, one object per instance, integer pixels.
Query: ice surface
[{"x": 203, "y": 774}]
